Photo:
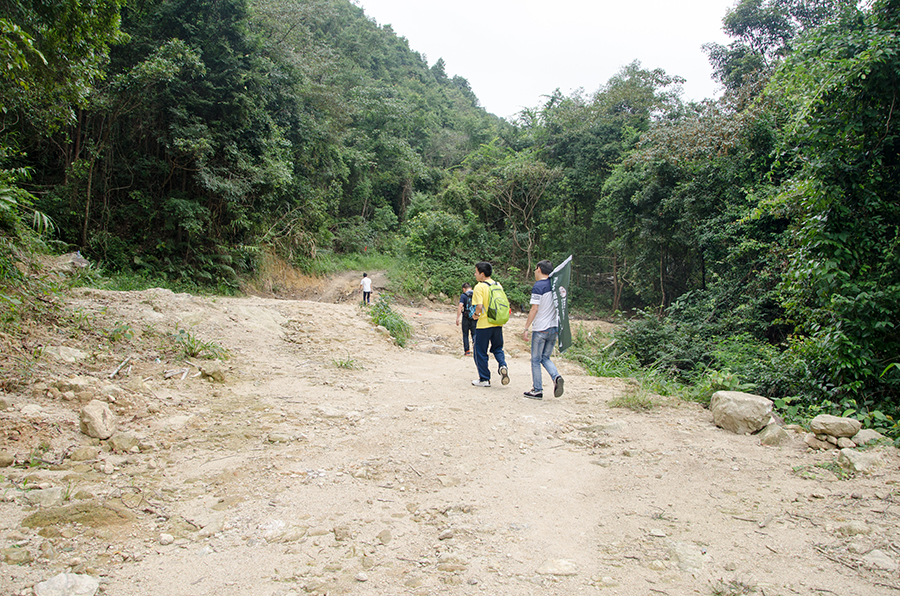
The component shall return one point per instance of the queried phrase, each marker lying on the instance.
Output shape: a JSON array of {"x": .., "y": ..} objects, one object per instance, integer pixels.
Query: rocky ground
[{"x": 321, "y": 458}]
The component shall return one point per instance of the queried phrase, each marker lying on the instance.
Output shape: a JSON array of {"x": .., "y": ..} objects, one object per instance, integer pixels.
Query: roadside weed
[{"x": 192, "y": 346}]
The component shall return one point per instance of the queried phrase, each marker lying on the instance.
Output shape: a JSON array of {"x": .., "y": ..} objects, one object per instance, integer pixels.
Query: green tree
[
  {"x": 764, "y": 31},
  {"x": 840, "y": 88}
]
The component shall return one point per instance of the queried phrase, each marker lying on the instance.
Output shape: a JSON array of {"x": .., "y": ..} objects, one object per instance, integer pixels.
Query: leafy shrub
[
  {"x": 434, "y": 235},
  {"x": 382, "y": 314}
]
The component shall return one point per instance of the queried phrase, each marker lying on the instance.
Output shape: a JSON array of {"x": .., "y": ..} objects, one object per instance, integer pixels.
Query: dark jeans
[
  {"x": 468, "y": 328},
  {"x": 483, "y": 337}
]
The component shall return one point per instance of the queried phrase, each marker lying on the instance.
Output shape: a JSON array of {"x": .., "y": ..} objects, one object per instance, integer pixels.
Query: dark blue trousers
[{"x": 493, "y": 337}]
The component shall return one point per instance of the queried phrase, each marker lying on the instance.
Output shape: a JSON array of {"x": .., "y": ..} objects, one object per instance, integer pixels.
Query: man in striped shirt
[{"x": 544, "y": 334}]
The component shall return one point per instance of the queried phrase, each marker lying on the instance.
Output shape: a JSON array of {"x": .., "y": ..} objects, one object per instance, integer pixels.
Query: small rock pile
[
  {"x": 833, "y": 432},
  {"x": 745, "y": 413}
]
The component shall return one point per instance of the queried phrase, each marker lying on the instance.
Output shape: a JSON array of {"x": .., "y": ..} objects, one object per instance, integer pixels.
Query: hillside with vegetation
[{"x": 746, "y": 242}]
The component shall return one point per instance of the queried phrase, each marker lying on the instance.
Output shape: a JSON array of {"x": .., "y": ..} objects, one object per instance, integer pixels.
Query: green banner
[{"x": 559, "y": 283}]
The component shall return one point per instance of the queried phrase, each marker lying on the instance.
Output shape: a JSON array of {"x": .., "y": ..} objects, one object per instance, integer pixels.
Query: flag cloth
[{"x": 559, "y": 284}]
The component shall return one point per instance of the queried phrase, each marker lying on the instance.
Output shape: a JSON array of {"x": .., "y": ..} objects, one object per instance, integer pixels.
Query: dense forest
[{"x": 750, "y": 241}]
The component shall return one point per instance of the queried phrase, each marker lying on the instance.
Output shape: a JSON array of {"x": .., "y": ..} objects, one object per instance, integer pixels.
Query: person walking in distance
[
  {"x": 487, "y": 335},
  {"x": 366, "y": 285},
  {"x": 544, "y": 333},
  {"x": 464, "y": 314}
]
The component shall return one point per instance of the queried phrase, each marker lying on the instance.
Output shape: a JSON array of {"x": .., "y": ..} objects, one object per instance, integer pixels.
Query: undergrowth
[{"x": 382, "y": 314}]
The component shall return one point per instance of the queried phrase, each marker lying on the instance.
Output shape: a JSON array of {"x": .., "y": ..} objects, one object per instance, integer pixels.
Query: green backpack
[{"x": 498, "y": 309}]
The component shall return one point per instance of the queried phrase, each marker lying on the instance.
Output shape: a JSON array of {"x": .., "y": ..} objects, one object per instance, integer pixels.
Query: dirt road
[{"x": 330, "y": 461}]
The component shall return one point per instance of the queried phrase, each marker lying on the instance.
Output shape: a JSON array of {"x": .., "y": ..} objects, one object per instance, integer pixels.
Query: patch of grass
[
  {"x": 835, "y": 469},
  {"x": 120, "y": 331},
  {"x": 637, "y": 401},
  {"x": 382, "y": 314},
  {"x": 813, "y": 472},
  {"x": 732, "y": 588},
  {"x": 346, "y": 363},
  {"x": 192, "y": 346}
]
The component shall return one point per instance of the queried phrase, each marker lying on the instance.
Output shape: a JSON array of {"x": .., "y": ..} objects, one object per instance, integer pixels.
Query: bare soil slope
[{"x": 331, "y": 461}]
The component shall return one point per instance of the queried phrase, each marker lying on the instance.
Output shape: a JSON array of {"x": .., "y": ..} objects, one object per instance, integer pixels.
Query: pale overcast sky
[{"x": 513, "y": 52}]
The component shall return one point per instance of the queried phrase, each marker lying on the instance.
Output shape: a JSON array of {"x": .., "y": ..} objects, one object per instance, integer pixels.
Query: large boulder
[{"x": 741, "y": 413}]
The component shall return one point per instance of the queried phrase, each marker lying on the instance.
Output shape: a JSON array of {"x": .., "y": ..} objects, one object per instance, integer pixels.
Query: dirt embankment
[{"x": 330, "y": 461}]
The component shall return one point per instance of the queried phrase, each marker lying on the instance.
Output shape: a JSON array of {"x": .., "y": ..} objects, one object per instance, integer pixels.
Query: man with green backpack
[{"x": 492, "y": 310}]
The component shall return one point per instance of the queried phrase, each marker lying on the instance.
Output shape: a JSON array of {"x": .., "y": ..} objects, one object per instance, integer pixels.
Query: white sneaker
[
  {"x": 478, "y": 383},
  {"x": 504, "y": 375}
]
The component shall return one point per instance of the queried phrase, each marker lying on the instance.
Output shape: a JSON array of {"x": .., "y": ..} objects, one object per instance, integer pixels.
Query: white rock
[
  {"x": 688, "y": 556},
  {"x": 48, "y": 497},
  {"x": 880, "y": 560},
  {"x": 64, "y": 354},
  {"x": 558, "y": 567},
  {"x": 31, "y": 410},
  {"x": 68, "y": 584},
  {"x": 774, "y": 436},
  {"x": 97, "y": 420},
  {"x": 835, "y": 426},
  {"x": 866, "y": 435},
  {"x": 859, "y": 461},
  {"x": 741, "y": 413}
]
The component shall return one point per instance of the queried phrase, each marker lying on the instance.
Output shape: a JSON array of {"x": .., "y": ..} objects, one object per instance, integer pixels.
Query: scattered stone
[
  {"x": 7, "y": 459},
  {"x": 834, "y": 426},
  {"x": 880, "y": 560},
  {"x": 657, "y": 533},
  {"x": 31, "y": 410},
  {"x": 558, "y": 567},
  {"x": 384, "y": 536},
  {"x": 814, "y": 443},
  {"x": 48, "y": 497},
  {"x": 853, "y": 528},
  {"x": 123, "y": 441},
  {"x": 688, "y": 556},
  {"x": 330, "y": 412},
  {"x": 741, "y": 413},
  {"x": 92, "y": 513},
  {"x": 71, "y": 262},
  {"x": 68, "y": 584},
  {"x": 774, "y": 436},
  {"x": 859, "y": 461},
  {"x": 867, "y": 435},
  {"x": 605, "y": 582},
  {"x": 362, "y": 577},
  {"x": 97, "y": 420},
  {"x": 166, "y": 539},
  {"x": 16, "y": 556},
  {"x": 278, "y": 438},
  {"x": 213, "y": 371},
  {"x": 446, "y": 534},
  {"x": 84, "y": 453},
  {"x": 64, "y": 354},
  {"x": 343, "y": 533},
  {"x": 858, "y": 548},
  {"x": 845, "y": 443}
]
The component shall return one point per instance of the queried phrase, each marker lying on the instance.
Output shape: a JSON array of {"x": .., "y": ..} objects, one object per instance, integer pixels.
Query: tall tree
[{"x": 841, "y": 89}]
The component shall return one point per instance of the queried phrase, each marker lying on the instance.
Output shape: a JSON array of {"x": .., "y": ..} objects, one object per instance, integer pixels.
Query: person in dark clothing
[{"x": 464, "y": 315}]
